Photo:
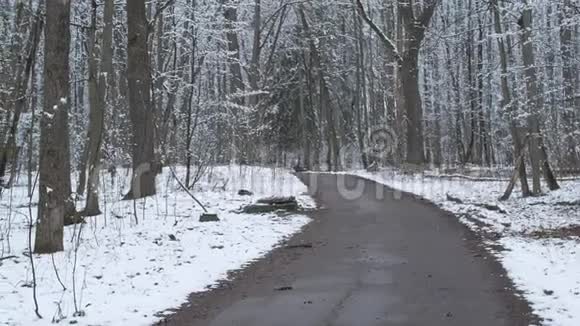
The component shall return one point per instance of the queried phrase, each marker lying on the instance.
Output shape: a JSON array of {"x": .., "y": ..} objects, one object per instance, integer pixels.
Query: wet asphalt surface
[{"x": 381, "y": 258}]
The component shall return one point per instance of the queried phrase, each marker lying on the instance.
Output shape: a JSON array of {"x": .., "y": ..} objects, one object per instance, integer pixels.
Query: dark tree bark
[
  {"x": 254, "y": 71},
  {"x": 508, "y": 105},
  {"x": 53, "y": 192},
  {"x": 569, "y": 76},
  {"x": 9, "y": 151},
  {"x": 408, "y": 60},
  {"x": 358, "y": 105},
  {"x": 140, "y": 106},
  {"x": 535, "y": 100},
  {"x": 236, "y": 82},
  {"x": 98, "y": 86},
  {"x": 233, "y": 42}
]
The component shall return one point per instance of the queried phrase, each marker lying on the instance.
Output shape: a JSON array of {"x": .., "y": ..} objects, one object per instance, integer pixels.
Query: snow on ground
[
  {"x": 543, "y": 263},
  {"x": 124, "y": 273}
]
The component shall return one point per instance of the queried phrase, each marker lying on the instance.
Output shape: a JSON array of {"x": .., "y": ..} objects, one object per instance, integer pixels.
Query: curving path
[{"x": 394, "y": 260}]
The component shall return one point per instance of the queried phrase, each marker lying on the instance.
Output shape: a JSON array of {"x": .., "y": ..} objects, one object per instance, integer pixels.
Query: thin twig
[
  {"x": 30, "y": 254},
  {"x": 77, "y": 245},
  {"x": 56, "y": 272},
  {"x": 185, "y": 189},
  {"x": 8, "y": 257},
  {"x": 135, "y": 212},
  {"x": 389, "y": 44},
  {"x": 158, "y": 13}
]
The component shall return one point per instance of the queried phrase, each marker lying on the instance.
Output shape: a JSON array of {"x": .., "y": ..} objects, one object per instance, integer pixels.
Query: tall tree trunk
[
  {"x": 414, "y": 28},
  {"x": 98, "y": 83},
  {"x": 305, "y": 120},
  {"x": 188, "y": 104},
  {"x": 507, "y": 103},
  {"x": 569, "y": 76},
  {"x": 140, "y": 108},
  {"x": 8, "y": 152},
  {"x": 437, "y": 137},
  {"x": 409, "y": 74},
  {"x": 236, "y": 82},
  {"x": 53, "y": 195},
  {"x": 535, "y": 99},
  {"x": 254, "y": 72},
  {"x": 484, "y": 151},
  {"x": 358, "y": 105},
  {"x": 470, "y": 154},
  {"x": 233, "y": 44}
]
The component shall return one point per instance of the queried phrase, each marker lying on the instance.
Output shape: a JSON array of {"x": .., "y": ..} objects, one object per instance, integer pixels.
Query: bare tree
[
  {"x": 24, "y": 73},
  {"x": 54, "y": 172},
  {"x": 570, "y": 80},
  {"x": 538, "y": 153},
  {"x": 233, "y": 46},
  {"x": 98, "y": 86},
  {"x": 254, "y": 71},
  {"x": 508, "y": 105},
  {"x": 408, "y": 61},
  {"x": 140, "y": 106}
]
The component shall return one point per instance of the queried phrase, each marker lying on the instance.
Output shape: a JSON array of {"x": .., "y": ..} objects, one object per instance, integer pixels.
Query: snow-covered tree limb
[{"x": 389, "y": 44}]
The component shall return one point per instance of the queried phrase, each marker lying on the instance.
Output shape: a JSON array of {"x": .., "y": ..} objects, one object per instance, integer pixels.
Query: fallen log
[
  {"x": 490, "y": 207},
  {"x": 272, "y": 204},
  {"x": 277, "y": 200}
]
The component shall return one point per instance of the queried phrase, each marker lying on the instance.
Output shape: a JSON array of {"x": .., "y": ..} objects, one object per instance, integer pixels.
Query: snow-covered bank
[
  {"x": 542, "y": 260},
  {"x": 123, "y": 273}
]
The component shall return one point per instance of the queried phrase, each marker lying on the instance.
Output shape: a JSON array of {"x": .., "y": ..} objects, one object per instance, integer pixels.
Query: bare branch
[
  {"x": 159, "y": 11},
  {"x": 428, "y": 13},
  {"x": 389, "y": 44}
]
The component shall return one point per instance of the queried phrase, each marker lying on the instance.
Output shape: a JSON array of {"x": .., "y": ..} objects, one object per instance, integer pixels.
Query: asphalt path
[{"x": 371, "y": 256}]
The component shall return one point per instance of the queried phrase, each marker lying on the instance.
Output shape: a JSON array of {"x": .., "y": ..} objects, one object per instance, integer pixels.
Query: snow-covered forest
[
  {"x": 279, "y": 81},
  {"x": 105, "y": 104}
]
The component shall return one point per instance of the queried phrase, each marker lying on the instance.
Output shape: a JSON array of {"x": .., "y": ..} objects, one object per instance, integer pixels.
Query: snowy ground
[
  {"x": 124, "y": 273},
  {"x": 540, "y": 255}
]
